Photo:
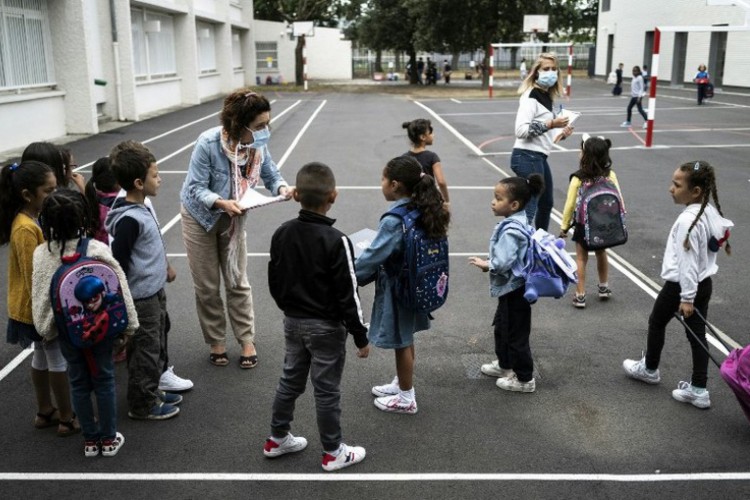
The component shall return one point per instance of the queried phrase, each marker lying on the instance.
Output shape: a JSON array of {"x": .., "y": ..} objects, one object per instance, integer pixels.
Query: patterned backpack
[
  {"x": 87, "y": 299},
  {"x": 423, "y": 275},
  {"x": 601, "y": 214}
]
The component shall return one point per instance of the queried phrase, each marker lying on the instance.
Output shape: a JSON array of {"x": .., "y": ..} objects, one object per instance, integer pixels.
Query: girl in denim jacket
[
  {"x": 514, "y": 366},
  {"x": 392, "y": 326}
]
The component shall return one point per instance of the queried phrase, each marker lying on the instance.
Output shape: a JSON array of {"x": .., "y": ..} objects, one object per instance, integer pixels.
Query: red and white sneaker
[
  {"x": 110, "y": 447},
  {"x": 291, "y": 444},
  {"x": 348, "y": 455},
  {"x": 396, "y": 404},
  {"x": 91, "y": 448}
]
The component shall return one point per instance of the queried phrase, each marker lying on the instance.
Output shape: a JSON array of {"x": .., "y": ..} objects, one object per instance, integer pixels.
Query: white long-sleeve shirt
[
  {"x": 690, "y": 267},
  {"x": 531, "y": 119},
  {"x": 637, "y": 88}
]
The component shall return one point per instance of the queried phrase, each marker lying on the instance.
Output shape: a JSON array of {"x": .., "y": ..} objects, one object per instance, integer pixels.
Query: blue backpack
[
  {"x": 423, "y": 275},
  {"x": 547, "y": 268},
  {"x": 87, "y": 299}
]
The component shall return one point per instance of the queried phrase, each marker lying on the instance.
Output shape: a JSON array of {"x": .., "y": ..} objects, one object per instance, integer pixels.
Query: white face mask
[{"x": 547, "y": 78}]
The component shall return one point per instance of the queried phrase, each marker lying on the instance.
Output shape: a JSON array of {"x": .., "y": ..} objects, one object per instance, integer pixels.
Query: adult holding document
[
  {"x": 537, "y": 128},
  {"x": 227, "y": 161}
]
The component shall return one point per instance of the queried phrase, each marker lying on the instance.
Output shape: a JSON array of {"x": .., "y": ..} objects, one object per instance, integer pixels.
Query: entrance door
[
  {"x": 717, "y": 53},
  {"x": 610, "y": 49},
  {"x": 648, "y": 51},
  {"x": 678, "y": 60}
]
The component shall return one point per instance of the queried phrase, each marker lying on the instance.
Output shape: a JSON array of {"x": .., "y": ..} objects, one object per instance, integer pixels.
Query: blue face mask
[
  {"x": 547, "y": 78},
  {"x": 261, "y": 137}
]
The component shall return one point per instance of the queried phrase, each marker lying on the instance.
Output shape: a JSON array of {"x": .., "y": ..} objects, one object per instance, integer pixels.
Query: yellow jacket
[
  {"x": 570, "y": 201},
  {"x": 25, "y": 236}
]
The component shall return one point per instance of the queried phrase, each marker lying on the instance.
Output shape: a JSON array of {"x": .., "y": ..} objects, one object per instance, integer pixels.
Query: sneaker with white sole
[
  {"x": 512, "y": 384},
  {"x": 160, "y": 411},
  {"x": 579, "y": 301},
  {"x": 396, "y": 404},
  {"x": 686, "y": 393},
  {"x": 291, "y": 444},
  {"x": 170, "y": 382},
  {"x": 493, "y": 370},
  {"x": 91, "y": 448},
  {"x": 604, "y": 292},
  {"x": 645, "y": 125},
  {"x": 348, "y": 455},
  {"x": 387, "y": 390},
  {"x": 637, "y": 370},
  {"x": 110, "y": 447},
  {"x": 169, "y": 398},
  {"x": 625, "y": 124}
]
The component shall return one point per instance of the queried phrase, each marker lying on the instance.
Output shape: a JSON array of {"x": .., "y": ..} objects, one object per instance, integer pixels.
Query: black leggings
[
  {"x": 667, "y": 303},
  {"x": 636, "y": 101}
]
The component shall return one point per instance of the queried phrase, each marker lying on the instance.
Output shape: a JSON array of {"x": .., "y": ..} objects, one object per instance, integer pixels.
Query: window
[
  {"x": 25, "y": 44},
  {"x": 266, "y": 56},
  {"x": 153, "y": 45},
  {"x": 236, "y": 50},
  {"x": 206, "y": 47},
  {"x": 605, "y": 5}
]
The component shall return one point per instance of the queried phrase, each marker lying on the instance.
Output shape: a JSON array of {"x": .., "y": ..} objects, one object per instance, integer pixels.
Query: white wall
[
  {"x": 629, "y": 20},
  {"x": 30, "y": 118}
]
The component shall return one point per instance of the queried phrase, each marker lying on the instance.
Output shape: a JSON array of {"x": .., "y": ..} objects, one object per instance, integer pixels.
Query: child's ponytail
[
  {"x": 415, "y": 129},
  {"x": 521, "y": 190},
  {"x": 14, "y": 179},
  {"x": 102, "y": 179}
]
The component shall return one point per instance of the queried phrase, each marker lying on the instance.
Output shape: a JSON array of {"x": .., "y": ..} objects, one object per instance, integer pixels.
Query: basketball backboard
[
  {"x": 535, "y": 24},
  {"x": 303, "y": 28}
]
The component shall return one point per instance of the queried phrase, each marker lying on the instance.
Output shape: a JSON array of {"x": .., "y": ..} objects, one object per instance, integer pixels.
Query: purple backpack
[{"x": 601, "y": 214}]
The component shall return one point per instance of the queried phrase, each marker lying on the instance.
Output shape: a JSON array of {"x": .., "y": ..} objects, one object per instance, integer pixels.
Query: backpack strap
[
  {"x": 408, "y": 217},
  {"x": 521, "y": 269}
]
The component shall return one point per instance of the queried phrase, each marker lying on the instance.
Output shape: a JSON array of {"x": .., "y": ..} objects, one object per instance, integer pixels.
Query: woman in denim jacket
[
  {"x": 226, "y": 162},
  {"x": 514, "y": 366}
]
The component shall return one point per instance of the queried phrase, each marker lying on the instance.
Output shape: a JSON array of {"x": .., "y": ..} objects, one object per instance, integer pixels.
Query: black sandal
[
  {"x": 248, "y": 362},
  {"x": 46, "y": 419},
  {"x": 219, "y": 359},
  {"x": 69, "y": 425}
]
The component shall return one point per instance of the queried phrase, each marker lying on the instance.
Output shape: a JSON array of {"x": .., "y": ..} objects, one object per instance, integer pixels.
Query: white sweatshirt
[
  {"x": 690, "y": 267},
  {"x": 46, "y": 262},
  {"x": 531, "y": 129}
]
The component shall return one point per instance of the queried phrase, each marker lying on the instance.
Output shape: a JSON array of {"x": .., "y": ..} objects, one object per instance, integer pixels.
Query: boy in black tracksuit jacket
[{"x": 311, "y": 277}]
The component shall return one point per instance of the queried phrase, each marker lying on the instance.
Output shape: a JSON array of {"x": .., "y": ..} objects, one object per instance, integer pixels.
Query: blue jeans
[
  {"x": 93, "y": 370},
  {"x": 317, "y": 347},
  {"x": 525, "y": 162}
]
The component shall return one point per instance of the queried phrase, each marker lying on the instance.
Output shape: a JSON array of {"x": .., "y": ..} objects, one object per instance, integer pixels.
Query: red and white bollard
[
  {"x": 304, "y": 61},
  {"x": 491, "y": 69},
  {"x": 652, "y": 89}
]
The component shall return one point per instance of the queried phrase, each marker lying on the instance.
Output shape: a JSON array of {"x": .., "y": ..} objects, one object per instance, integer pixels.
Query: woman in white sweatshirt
[{"x": 689, "y": 262}]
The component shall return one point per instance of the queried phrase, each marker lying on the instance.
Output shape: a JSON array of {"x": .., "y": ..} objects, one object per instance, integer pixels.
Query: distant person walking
[
  {"x": 447, "y": 70},
  {"x": 617, "y": 89},
  {"x": 702, "y": 80},
  {"x": 637, "y": 92},
  {"x": 523, "y": 69}
]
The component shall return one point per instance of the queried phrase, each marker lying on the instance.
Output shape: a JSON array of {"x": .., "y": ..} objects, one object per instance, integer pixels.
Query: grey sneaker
[
  {"x": 579, "y": 301},
  {"x": 686, "y": 393},
  {"x": 637, "y": 370},
  {"x": 291, "y": 444},
  {"x": 493, "y": 370},
  {"x": 512, "y": 384},
  {"x": 604, "y": 292},
  {"x": 386, "y": 390}
]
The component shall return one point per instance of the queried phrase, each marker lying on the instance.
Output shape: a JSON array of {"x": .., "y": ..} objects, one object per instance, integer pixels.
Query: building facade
[{"x": 710, "y": 32}]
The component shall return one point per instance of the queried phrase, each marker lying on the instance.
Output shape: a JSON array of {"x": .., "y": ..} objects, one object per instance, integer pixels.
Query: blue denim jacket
[
  {"x": 209, "y": 179},
  {"x": 507, "y": 246}
]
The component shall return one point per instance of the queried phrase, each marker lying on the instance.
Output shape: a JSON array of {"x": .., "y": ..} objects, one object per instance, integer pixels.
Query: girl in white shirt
[
  {"x": 637, "y": 91},
  {"x": 689, "y": 262}
]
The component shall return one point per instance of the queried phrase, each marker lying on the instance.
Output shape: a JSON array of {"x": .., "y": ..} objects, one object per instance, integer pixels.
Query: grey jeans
[
  {"x": 146, "y": 353},
  {"x": 317, "y": 347}
]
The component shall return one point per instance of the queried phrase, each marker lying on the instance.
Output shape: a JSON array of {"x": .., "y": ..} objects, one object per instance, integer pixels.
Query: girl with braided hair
[
  {"x": 65, "y": 219},
  {"x": 689, "y": 262}
]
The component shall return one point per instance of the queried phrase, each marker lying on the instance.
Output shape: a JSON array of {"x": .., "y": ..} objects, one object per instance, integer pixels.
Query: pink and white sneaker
[{"x": 396, "y": 404}]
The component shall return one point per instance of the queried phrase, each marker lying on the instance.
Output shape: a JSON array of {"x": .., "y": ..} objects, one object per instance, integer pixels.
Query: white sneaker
[
  {"x": 493, "y": 370},
  {"x": 512, "y": 383},
  {"x": 637, "y": 370},
  {"x": 396, "y": 404},
  {"x": 625, "y": 124},
  {"x": 170, "y": 382},
  {"x": 387, "y": 389},
  {"x": 645, "y": 125},
  {"x": 686, "y": 393},
  {"x": 291, "y": 444},
  {"x": 348, "y": 455},
  {"x": 110, "y": 447}
]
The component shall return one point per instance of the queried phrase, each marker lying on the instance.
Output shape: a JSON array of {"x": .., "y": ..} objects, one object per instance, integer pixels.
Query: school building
[
  {"x": 67, "y": 66},
  {"x": 693, "y": 32}
]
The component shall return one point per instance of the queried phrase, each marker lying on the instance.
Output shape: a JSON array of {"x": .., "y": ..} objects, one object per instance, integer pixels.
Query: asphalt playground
[{"x": 587, "y": 432}]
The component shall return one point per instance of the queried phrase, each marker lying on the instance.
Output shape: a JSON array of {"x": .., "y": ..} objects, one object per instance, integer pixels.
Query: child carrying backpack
[
  {"x": 101, "y": 193},
  {"x": 394, "y": 321},
  {"x": 594, "y": 208},
  {"x": 88, "y": 306},
  {"x": 514, "y": 366}
]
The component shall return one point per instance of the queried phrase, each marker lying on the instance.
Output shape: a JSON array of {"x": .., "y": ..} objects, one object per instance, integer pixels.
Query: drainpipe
[{"x": 116, "y": 59}]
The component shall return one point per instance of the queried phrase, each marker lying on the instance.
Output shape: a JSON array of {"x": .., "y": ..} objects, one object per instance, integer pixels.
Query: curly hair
[
  {"x": 241, "y": 108},
  {"x": 65, "y": 215}
]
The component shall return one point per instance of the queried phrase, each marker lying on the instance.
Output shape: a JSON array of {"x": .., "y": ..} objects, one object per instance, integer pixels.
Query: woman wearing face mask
[
  {"x": 226, "y": 162},
  {"x": 535, "y": 122}
]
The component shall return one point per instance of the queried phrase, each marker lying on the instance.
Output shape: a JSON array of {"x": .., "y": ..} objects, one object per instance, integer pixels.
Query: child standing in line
[
  {"x": 310, "y": 278},
  {"x": 392, "y": 326},
  {"x": 74, "y": 179},
  {"x": 689, "y": 262},
  {"x": 594, "y": 164},
  {"x": 101, "y": 192},
  {"x": 514, "y": 366},
  {"x": 64, "y": 220},
  {"x": 23, "y": 188},
  {"x": 138, "y": 247},
  {"x": 421, "y": 135}
]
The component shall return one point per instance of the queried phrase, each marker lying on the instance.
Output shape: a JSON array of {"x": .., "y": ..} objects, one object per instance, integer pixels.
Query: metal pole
[
  {"x": 652, "y": 89},
  {"x": 304, "y": 60}
]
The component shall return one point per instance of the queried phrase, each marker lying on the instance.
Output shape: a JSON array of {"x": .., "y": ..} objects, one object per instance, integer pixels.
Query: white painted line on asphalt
[
  {"x": 15, "y": 362},
  {"x": 450, "y": 128},
  {"x": 380, "y": 477},
  {"x": 455, "y": 100},
  {"x": 291, "y": 147}
]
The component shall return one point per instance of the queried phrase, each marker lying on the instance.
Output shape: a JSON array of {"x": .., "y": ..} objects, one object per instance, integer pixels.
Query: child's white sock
[
  {"x": 699, "y": 390},
  {"x": 407, "y": 395},
  {"x": 604, "y": 285},
  {"x": 278, "y": 440},
  {"x": 337, "y": 451}
]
